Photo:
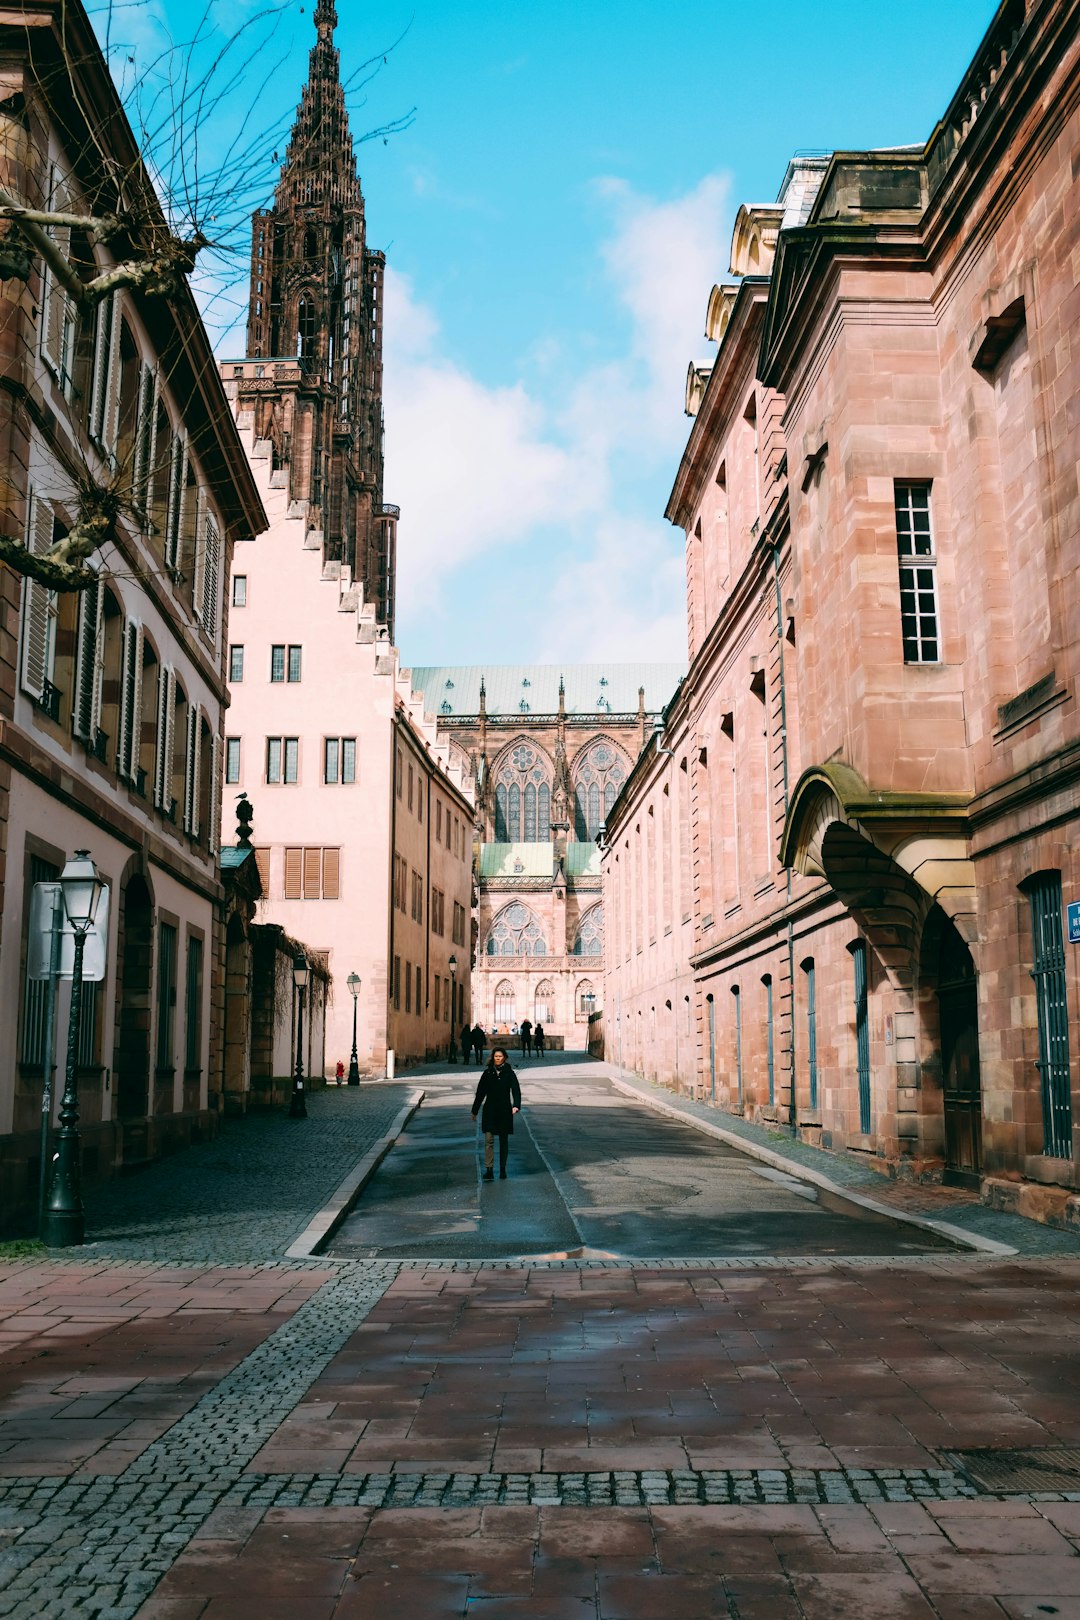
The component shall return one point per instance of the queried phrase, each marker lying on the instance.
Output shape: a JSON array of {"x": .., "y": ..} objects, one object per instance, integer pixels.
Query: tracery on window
[
  {"x": 516, "y": 932},
  {"x": 544, "y": 1003},
  {"x": 523, "y": 796},
  {"x": 589, "y": 940},
  {"x": 504, "y": 1003},
  {"x": 598, "y": 778}
]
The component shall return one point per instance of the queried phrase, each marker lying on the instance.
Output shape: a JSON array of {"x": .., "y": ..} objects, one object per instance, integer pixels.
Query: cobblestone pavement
[
  {"x": 245, "y": 1195},
  {"x": 215, "y": 1434}
]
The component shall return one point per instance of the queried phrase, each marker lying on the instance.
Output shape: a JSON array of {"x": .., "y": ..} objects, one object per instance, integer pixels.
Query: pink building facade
[{"x": 878, "y": 734}]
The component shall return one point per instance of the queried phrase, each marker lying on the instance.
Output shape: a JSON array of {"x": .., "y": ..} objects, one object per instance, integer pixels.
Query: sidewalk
[{"x": 957, "y": 1206}]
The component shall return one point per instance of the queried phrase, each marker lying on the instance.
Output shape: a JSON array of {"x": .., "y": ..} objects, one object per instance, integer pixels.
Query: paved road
[{"x": 593, "y": 1173}]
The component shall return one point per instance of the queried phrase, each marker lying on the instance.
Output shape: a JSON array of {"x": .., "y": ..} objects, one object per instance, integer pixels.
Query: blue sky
[{"x": 554, "y": 219}]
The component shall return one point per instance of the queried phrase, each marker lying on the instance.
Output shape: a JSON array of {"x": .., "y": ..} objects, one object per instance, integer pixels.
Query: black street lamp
[
  {"x": 301, "y": 973},
  {"x": 353, "y": 982},
  {"x": 452, "y": 965},
  {"x": 62, "y": 1224}
]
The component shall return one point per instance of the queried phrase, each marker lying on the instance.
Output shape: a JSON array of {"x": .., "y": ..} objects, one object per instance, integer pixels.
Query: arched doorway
[
  {"x": 958, "y": 1006},
  {"x": 136, "y": 977}
]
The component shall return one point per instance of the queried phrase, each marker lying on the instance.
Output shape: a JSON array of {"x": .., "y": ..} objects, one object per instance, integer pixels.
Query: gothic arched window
[
  {"x": 589, "y": 940},
  {"x": 306, "y": 324},
  {"x": 584, "y": 1001},
  {"x": 516, "y": 932},
  {"x": 311, "y": 244},
  {"x": 522, "y": 797},
  {"x": 504, "y": 1003},
  {"x": 598, "y": 777},
  {"x": 544, "y": 1003}
]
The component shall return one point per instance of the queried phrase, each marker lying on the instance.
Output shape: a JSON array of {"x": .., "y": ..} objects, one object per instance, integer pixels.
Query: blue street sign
[{"x": 1074, "y": 923}]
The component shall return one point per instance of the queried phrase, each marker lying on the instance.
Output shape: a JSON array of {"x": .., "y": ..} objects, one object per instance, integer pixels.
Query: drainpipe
[{"x": 792, "y": 1109}]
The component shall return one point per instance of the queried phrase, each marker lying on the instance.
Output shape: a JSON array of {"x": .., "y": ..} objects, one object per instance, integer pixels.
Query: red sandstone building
[{"x": 860, "y": 929}]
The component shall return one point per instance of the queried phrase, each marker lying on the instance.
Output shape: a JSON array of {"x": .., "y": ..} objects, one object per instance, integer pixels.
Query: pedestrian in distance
[
  {"x": 499, "y": 1094},
  {"x": 538, "y": 1040},
  {"x": 466, "y": 1043},
  {"x": 526, "y": 1036},
  {"x": 479, "y": 1042},
  {"x": 339, "y": 1072}
]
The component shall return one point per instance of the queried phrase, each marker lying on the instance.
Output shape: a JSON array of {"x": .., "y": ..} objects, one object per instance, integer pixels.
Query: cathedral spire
[{"x": 325, "y": 21}]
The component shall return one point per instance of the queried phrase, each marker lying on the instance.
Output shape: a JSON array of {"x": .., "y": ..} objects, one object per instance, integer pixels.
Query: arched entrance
[
  {"x": 958, "y": 1008},
  {"x": 133, "y": 1045}
]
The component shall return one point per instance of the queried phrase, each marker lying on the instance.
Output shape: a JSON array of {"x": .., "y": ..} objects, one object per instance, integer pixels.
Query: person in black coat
[
  {"x": 500, "y": 1095},
  {"x": 479, "y": 1042},
  {"x": 466, "y": 1043}
]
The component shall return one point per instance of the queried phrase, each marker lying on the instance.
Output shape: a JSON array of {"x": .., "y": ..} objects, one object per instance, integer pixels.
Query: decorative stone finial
[
  {"x": 244, "y": 815},
  {"x": 326, "y": 19}
]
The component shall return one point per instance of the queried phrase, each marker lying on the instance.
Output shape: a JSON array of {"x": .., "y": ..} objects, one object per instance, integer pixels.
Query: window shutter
[
  {"x": 174, "y": 511},
  {"x": 198, "y": 586},
  {"x": 145, "y": 435},
  {"x": 88, "y": 673},
  {"x": 191, "y": 779},
  {"x": 331, "y": 887},
  {"x": 131, "y": 702},
  {"x": 214, "y": 830},
  {"x": 163, "y": 764},
  {"x": 313, "y": 874},
  {"x": 211, "y": 581},
  {"x": 36, "y": 603},
  {"x": 293, "y": 867},
  {"x": 105, "y": 325},
  {"x": 262, "y": 861},
  {"x": 110, "y": 426},
  {"x": 57, "y": 321}
]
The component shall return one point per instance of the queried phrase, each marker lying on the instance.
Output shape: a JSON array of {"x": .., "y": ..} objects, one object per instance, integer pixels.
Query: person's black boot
[
  {"x": 502, "y": 1172},
  {"x": 489, "y": 1175}
]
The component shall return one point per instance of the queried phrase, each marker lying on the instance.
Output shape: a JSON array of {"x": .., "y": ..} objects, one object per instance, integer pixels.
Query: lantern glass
[
  {"x": 301, "y": 972},
  {"x": 353, "y": 982},
  {"x": 81, "y": 885},
  {"x": 452, "y": 966}
]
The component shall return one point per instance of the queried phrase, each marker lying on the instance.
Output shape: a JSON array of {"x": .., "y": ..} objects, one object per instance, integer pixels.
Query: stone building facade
[
  {"x": 546, "y": 752},
  {"x": 363, "y": 828},
  {"x": 877, "y": 740},
  {"x": 111, "y": 697}
]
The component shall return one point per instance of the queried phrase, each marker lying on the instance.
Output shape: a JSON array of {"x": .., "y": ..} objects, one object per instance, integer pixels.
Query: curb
[
  {"x": 800, "y": 1172},
  {"x": 326, "y": 1222}
]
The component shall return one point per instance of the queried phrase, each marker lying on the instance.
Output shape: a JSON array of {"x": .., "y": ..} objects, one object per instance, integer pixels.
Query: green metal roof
[
  {"x": 537, "y": 860},
  {"x": 591, "y": 689},
  {"x": 582, "y": 860}
]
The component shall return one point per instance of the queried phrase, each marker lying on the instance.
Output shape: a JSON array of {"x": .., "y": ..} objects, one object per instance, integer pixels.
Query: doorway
[{"x": 958, "y": 1005}]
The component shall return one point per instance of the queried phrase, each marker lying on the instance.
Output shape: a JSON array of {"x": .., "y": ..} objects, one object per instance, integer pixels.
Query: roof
[
  {"x": 235, "y": 855},
  {"x": 537, "y": 860},
  {"x": 592, "y": 689}
]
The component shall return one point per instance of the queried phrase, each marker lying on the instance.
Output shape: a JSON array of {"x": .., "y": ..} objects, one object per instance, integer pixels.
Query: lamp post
[
  {"x": 353, "y": 982},
  {"x": 301, "y": 973},
  {"x": 62, "y": 1225},
  {"x": 452, "y": 965}
]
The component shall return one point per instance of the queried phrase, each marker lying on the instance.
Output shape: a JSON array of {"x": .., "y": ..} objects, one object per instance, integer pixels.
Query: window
[
  {"x": 401, "y": 881},
  {"x": 277, "y": 663},
  {"x": 811, "y": 1029},
  {"x": 35, "y": 997},
  {"x": 410, "y": 787},
  {"x": 458, "y": 935},
  {"x": 417, "y": 909},
  {"x": 438, "y": 995},
  {"x": 397, "y": 983},
  {"x": 232, "y": 760},
  {"x": 522, "y": 796},
  {"x": 295, "y": 655},
  {"x": 166, "y": 995},
  {"x": 339, "y": 760},
  {"x": 586, "y": 1002},
  {"x": 239, "y": 590},
  {"x": 40, "y": 611},
  {"x": 283, "y": 760},
  {"x": 598, "y": 779},
  {"x": 236, "y": 663},
  {"x": 408, "y": 987},
  {"x": 589, "y": 939},
  {"x": 90, "y": 667},
  {"x": 397, "y": 773},
  {"x": 438, "y": 821},
  {"x": 312, "y": 873},
  {"x": 193, "y": 1006},
  {"x": 918, "y": 574},
  {"x": 544, "y": 1003},
  {"x": 86, "y": 1052},
  {"x": 516, "y": 932},
  {"x": 1048, "y": 972},
  {"x": 862, "y": 1033},
  {"x": 504, "y": 1003}
]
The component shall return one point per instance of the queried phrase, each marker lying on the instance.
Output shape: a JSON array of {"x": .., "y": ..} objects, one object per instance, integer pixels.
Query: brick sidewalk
[{"x": 761, "y": 1441}]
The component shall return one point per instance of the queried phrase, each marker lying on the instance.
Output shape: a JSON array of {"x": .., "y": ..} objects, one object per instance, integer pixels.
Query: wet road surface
[{"x": 593, "y": 1173}]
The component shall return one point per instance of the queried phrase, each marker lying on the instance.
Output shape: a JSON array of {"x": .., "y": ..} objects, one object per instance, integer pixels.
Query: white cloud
[{"x": 623, "y": 599}]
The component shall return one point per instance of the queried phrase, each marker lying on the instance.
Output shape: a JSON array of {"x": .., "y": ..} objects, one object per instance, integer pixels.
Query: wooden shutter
[
  {"x": 331, "y": 882},
  {"x": 313, "y": 874},
  {"x": 191, "y": 776},
  {"x": 57, "y": 316},
  {"x": 88, "y": 671},
  {"x": 110, "y": 426},
  {"x": 142, "y": 477},
  {"x": 198, "y": 584},
  {"x": 166, "y": 718},
  {"x": 293, "y": 872},
  {"x": 213, "y": 832},
  {"x": 131, "y": 712},
  {"x": 211, "y": 578},
  {"x": 176, "y": 501},
  {"x": 262, "y": 861},
  {"x": 36, "y": 603},
  {"x": 106, "y": 345}
]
